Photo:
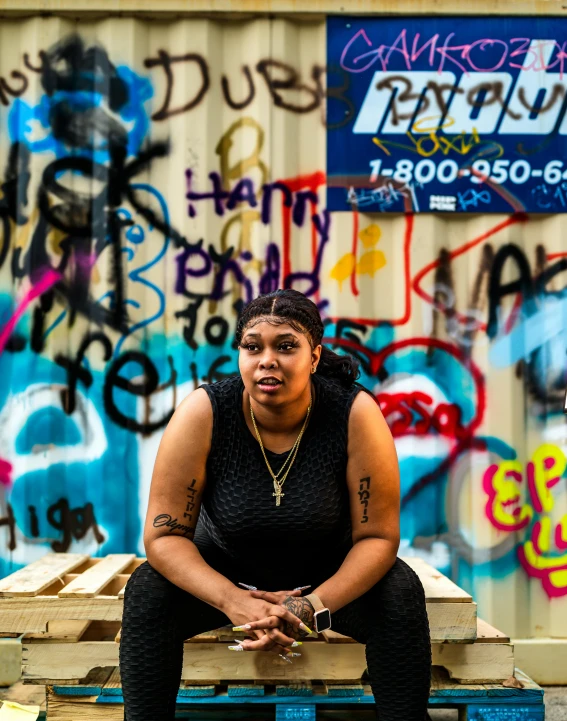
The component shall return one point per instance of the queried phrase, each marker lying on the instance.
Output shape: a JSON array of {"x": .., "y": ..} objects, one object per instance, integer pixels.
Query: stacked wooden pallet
[
  {"x": 100, "y": 699},
  {"x": 69, "y": 608}
]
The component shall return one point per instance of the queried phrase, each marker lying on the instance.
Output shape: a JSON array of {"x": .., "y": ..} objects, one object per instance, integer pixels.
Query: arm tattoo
[
  {"x": 301, "y": 608},
  {"x": 187, "y": 530},
  {"x": 364, "y": 496},
  {"x": 164, "y": 519},
  {"x": 191, "y": 491}
]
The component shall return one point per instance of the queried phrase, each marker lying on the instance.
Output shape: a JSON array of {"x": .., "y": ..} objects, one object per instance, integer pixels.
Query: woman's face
[{"x": 275, "y": 362}]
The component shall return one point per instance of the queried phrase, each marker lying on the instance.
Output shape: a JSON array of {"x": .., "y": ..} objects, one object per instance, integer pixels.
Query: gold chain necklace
[{"x": 278, "y": 483}]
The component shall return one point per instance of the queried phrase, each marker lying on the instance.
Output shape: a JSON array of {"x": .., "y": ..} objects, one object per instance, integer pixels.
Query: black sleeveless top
[{"x": 307, "y": 537}]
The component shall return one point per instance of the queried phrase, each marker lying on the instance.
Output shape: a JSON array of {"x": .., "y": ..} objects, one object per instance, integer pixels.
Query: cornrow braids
[{"x": 294, "y": 308}]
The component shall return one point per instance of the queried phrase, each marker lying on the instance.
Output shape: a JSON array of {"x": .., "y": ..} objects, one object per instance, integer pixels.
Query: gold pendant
[{"x": 278, "y": 494}]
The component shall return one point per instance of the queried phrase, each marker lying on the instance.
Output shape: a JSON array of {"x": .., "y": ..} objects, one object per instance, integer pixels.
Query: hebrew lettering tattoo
[
  {"x": 364, "y": 497},
  {"x": 191, "y": 491},
  {"x": 164, "y": 519}
]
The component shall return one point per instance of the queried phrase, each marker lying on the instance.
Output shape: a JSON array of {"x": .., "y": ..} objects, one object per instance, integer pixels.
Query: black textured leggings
[{"x": 390, "y": 619}]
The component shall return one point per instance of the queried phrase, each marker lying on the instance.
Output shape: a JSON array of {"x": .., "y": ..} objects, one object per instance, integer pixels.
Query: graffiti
[
  {"x": 369, "y": 263},
  {"x": 277, "y": 75},
  {"x": 73, "y": 523},
  {"x": 503, "y": 484},
  {"x": 130, "y": 242},
  {"x": 426, "y": 141},
  {"x": 438, "y": 53}
]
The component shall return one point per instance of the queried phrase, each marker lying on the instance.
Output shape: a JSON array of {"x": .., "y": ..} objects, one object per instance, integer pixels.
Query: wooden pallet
[
  {"x": 330, "y": 657},
  {"x": 75, "y": 587},
  {"x": 101, "y": 699}
]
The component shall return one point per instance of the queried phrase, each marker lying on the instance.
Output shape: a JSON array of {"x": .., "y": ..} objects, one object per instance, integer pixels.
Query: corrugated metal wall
[{"x": 139, "y": 209}]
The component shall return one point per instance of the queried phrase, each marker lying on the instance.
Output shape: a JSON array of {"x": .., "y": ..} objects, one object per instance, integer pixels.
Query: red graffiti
[{"x": 414, "y": 414}]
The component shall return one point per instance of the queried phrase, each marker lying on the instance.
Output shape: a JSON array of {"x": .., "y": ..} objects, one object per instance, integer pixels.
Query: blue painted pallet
[{"x": 490, "y": 702}]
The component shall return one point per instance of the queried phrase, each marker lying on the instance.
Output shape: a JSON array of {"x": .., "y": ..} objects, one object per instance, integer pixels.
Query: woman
[{"x": 292, "y": 475}]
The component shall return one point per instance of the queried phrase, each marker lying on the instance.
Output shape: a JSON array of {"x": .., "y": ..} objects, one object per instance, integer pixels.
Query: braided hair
[{"x": 295, "y": 309}]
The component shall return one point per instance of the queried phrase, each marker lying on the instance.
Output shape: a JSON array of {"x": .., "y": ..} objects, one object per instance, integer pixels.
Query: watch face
[{"x": 322, "y": 620}]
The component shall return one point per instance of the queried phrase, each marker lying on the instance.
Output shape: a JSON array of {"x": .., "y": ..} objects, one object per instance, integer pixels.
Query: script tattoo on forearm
[
  {"x": 186, "y": 529},
  {"x": 164, "y": 519},
  {"x": 364, "y": 496},
  {"x": 301, "y": 608}
]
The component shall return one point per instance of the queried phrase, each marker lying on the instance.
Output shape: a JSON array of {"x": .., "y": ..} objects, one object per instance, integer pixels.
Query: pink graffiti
[
  {"x": 354, "y": 53},
  {"x": 505, "y": 510},
  {"x": 49, "y": 279},
  {"x": 5, "y": 473}
]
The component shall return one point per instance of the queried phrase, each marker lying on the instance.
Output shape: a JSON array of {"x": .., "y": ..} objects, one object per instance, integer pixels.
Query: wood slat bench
[{"x": 75, "y": 587}]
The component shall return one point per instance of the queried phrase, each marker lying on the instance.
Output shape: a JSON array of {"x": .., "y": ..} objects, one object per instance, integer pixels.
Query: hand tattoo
[{"x": 301, "y": 608}]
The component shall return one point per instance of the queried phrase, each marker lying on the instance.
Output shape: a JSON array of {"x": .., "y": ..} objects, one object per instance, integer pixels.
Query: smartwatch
[{"x": 322, "y": 615}]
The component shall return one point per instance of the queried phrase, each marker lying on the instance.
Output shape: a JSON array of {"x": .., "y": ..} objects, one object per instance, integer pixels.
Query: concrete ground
[{"x": 555, "y": 704}]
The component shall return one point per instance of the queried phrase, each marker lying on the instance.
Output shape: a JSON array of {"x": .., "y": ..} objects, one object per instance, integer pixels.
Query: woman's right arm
[{"x": 177, "y": 487}]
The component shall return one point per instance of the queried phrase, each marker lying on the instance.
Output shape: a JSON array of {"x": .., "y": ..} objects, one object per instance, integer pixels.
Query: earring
[{"x": 313, "y": 369}]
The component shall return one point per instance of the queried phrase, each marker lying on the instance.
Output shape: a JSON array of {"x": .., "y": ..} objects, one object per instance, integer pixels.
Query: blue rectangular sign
[{"x": 447, "y": 114}]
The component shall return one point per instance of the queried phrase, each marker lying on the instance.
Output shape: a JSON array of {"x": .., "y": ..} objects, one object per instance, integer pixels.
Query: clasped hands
[{"x": 278, "y": 620}]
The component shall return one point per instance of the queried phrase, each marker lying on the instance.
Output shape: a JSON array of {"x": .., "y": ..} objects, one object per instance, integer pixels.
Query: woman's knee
[
  {"x": 400, "y": 593},
  {"x": 149, "y": 594}
]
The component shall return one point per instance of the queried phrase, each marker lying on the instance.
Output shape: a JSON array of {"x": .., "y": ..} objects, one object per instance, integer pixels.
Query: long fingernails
[
  {"x": 303, "y": 627},
  {"x": 242, "y": 628},
  {"x": 236, "y": 648},
  {"x": 302, "y": 588},
  {"x": 296, "y": 643},
  {"x": 293, "y": 655},
  {"x": 287, "y": 660}
]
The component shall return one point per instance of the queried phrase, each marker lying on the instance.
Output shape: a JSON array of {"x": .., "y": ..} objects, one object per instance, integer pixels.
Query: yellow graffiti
[
  {"x": 503, "y": 488},
  {"x": 548, "y": 466},
  {"x": 343, "y": 269},
  {"x": 539, "y": 553},
  {"x": 368, "y": 264},
  {"x": 370, "y": 236},
  {"x": 371, "y": 262},
  {"x": 239, "y": 168},
  {"x": 425, "y": 142}
]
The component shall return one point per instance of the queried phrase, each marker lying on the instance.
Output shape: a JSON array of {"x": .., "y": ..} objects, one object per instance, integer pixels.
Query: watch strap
[{"x": 315, "y": 601}]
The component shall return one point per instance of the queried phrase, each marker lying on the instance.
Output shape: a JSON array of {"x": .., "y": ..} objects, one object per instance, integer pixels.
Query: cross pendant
[{"x": 279, "y": 495}]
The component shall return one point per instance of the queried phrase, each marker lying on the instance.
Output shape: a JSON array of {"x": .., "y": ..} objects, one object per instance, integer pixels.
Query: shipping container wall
[{"x": 157, "y": 175}]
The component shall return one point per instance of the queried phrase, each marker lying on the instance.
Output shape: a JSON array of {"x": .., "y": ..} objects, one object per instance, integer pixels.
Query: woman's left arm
[{"x": 373, "y": 480}]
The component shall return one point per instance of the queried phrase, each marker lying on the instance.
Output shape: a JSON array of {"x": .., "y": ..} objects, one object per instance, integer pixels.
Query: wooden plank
[
  {"x": 60, "y": 708},
  {"x": 485, "y": 633},
  {"x": 302, "y": 688},
  {"x": 197, "y": 691},
  {"x": 33, "y": 578},
  {"x": 452, "y": 622},
  {"x": 92, "y": 686},
  {"x": 89, "y": 583},
  {"x": 31, "y": 615},
  {"x": 208, "y": 637},
  {"x": 113, "y": 686},
  {"x": 475, "y": 663},
  {"x": 204, "y": 663},
  {"x": 344, "y": 690},
  {"x": 241, "y": 689},
  {"x": 60, "y": 632},
  {"x": 331, "y": 636},
  {"x": 438, "y": 588},
  {"x": 447, "y": 621}
]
